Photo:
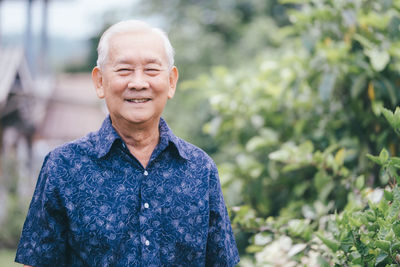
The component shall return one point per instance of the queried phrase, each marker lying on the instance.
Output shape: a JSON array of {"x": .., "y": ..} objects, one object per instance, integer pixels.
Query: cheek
[
  {"x": 161, "y": 86},
  {"x": 116, "y": 86}
]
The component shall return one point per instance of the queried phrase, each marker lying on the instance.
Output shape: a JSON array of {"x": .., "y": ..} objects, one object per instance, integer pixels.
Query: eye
[
  {"x": 152, "y": 71},
  {"x": 123, "y": 71}
]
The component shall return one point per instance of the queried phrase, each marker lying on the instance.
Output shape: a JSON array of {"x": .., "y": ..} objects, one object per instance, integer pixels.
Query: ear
[
  {"x": 97, "y": 78},
  {"x": 173, "y": 79}
]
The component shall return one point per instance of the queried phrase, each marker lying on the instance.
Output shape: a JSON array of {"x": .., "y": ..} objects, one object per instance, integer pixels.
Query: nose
[{"x": 138, "y": 81}]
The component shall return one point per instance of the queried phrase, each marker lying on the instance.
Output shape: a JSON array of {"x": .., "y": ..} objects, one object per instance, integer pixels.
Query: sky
[{"x": 68, "y": 18}]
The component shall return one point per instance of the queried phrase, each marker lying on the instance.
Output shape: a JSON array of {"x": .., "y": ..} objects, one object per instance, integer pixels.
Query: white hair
[{"x": 127, "y": 26}]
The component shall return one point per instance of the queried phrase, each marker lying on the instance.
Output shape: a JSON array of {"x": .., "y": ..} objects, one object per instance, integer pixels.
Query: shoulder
[
  {"x": 82, "y": 147},
  {"x": 195, "y": 155},
  {"x": 64, "y": 163}
]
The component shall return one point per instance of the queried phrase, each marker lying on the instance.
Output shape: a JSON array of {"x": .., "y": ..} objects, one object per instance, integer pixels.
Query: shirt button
[
  {"x": 146, "y": 173},
  {"x": 147, "y": 243},
  {"x": 146, "y": 205}
]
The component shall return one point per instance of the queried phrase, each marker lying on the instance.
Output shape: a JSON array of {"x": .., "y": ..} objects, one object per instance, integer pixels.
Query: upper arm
[
  {"x": 221, "y": 245},
  {"x": 43, "y": 238}
]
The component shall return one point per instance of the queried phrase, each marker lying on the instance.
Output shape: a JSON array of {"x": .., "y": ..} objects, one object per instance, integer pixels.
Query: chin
[{"x": 138, "y": 119}]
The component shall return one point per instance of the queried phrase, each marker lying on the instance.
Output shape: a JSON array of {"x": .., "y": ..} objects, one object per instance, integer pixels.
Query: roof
[{"x": 13, "y": 63}]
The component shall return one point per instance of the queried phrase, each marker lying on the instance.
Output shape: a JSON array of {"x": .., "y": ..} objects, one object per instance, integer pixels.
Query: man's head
[
  {"x": 135, "y": 72},
  {"x": 131, "y": 26}
]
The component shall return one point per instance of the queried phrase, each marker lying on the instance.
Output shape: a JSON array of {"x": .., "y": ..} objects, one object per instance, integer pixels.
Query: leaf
[
  {"x": 326, "y": 86},
  {"x": 306, "y": 147},
  {"x": 355, "y": 221},
  {"x": 375, "y": 159},
  {"x": 393, "y": 118},
  {"x": 381, "y": 257},
  {"x": 395, "y": 162},
  {"x": 298, "y": 227},
  {"x": 389, "y": 116},
  {"x": 358, "y": 85},
  {"x": 347, "y": 242},
  {"x": 377, "y": 107},
  {"x": 383, "y": 244},
  {"x": 254, "y": 249},
  {"x": 397, "y": 111},
  {"x": 384, "y": 156},
  {"x": 339, "y": 157},
  {"x": 261, "y": 239},
  {"x": 396, "y": 247},
  {"x": 279, "y": 155},
  {"x": 255, "y": 143},
  {"x": 370, "y": 215},
  {"x": 322, "y": 262},
  {"x": 388, "y": 195},
  {"x": 330, "y": 186},
  {"x": 378, "y": 58},
  {"x": 394, "y": 208},
  {"x": 321, "y": 179},
  {"x": 363, "y": 41},
  {"x": 374, "y": 19},
  {"x": 396, "y": 194},
  {"x": 266, "y": 138},
  {"x": 396, "y": 228},
  {"x": 360, "y": 182},
  {"x": 392, "y": 92},
  {"x": 296, "y": 249},
  {"x": 361, "y": 247},
  {"x": 332, "y": 244},
  {"x": 384, "y": 176}
]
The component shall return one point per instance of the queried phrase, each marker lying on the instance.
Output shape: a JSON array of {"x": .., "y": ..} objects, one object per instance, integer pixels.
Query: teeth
[{"x": 138, "y": 100}]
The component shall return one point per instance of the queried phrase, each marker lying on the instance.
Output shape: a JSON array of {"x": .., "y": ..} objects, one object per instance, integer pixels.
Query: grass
[{"x": 7, "y": 258}]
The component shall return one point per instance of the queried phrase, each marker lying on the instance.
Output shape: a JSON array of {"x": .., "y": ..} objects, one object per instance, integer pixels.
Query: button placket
[
  {"x": 146, "y": 204},
  {"x": 146, "y": 207}
]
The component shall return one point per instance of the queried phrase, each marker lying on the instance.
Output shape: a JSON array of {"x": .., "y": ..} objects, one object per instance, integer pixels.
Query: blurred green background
[{"x": 289, "y": 97}]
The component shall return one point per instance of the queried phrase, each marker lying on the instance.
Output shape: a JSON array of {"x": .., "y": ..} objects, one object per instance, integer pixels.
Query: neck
[{"x": 141, "y": 139}]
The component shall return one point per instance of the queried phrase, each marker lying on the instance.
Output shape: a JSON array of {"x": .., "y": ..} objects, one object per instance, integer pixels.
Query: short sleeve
[
  {"x": 221, "y": 245},
  {"x": 43, "y": 238}
]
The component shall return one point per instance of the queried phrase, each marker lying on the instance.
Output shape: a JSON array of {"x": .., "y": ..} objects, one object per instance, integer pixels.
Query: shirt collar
[
  {"x": 105, "y": 138},
  {"x": 167, "y": 135},
  {"x": 107, "y": 135}
]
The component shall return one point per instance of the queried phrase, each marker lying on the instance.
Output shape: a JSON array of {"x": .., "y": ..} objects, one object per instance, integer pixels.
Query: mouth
[{"x": 138, "y": 100}]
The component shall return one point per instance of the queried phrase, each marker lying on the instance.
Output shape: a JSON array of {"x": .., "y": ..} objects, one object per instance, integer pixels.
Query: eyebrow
[
  {"x": 147, "y": 61},
  {"x": 153, "y": 60}
]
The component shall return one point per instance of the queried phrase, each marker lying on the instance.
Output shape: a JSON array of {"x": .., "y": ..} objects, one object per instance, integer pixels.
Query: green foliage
[
  {"x": 393, "y": 118},
  {"x": 294, "y": 128},
  {"x": 368, "y": 234}
]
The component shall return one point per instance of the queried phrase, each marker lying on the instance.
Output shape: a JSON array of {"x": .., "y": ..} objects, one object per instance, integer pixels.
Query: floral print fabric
[{"x": 96, "y": 205}]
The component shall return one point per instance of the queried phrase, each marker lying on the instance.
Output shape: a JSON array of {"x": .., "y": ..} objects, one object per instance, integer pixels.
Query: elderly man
[{"x": 131, "y": 194}]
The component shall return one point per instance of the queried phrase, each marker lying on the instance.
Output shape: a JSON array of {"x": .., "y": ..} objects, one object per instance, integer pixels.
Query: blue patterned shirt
[{"x": 96, "y": 205}]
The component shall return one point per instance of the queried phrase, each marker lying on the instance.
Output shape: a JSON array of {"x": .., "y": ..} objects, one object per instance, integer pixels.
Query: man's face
[{"x": 135, "y": 81}]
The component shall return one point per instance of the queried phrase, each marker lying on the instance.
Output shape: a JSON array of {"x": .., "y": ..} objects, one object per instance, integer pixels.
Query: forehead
[{"x": 134, "y": 47}]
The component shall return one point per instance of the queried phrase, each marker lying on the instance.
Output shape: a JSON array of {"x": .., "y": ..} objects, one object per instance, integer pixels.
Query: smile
[{"x": 138, "y": 100}]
